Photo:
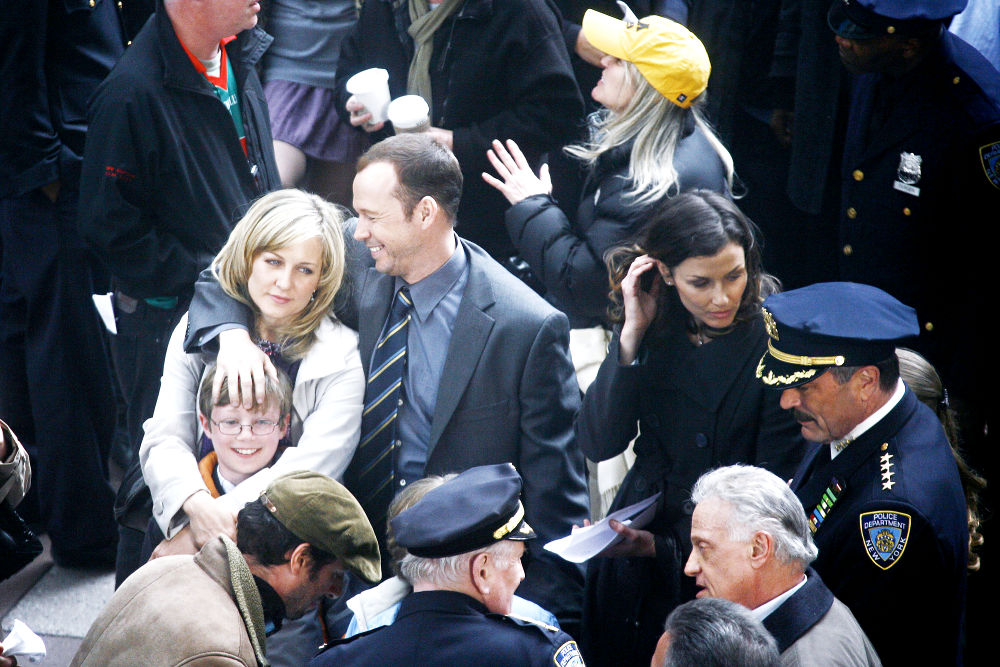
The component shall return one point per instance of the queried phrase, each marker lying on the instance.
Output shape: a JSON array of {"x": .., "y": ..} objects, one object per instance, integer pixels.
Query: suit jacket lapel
[
  {"x": 375, "y": 299},
  {"x": 468, "y": 340}
]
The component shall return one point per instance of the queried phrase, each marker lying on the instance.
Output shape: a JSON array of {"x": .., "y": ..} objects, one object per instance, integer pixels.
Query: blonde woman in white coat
[{"x": 285, "y": 260}]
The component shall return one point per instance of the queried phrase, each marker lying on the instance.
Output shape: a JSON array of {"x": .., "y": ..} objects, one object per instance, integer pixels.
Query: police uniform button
[
  {"x": 129, "y": 43},
  {"x": 402, "y": 482},
  {"x": 956, "y": 80},
  {"x": 119, "y": 5},
  {"x": 928, "y": 326},
  {"x": 858, "y": 175},
  {"x": 848, "y": 250},
  {"x": 701, "y": 441},
  {"x": 92, "y": 3},
  {"x": 399, "y": 402},
  {"x": 885, "y": 446},
  {"x": 852, "y": 212},
  {"x": 891, "y": 29},
  {"x": 907, "y": 211}
]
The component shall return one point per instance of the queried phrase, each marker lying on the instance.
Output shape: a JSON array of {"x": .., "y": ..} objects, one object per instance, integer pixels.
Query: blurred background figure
[{"x": 315, "y": 149}]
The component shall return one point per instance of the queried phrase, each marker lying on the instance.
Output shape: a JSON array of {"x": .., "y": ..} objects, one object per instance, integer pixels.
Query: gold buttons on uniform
[
  {"x": 119, "y": 4},
  {"x": 885, "y": 446},
  {"x": 906, "y": 210},
  {"x": 859, "y": 175},
  {"x": 891, "y": 29},
  {"x": 928, "y": 326},
  {"x": 852, "y": 212},
  {"x": 956, "y": 80},
  {"x": 848, "y": 250},
  {"x": 92, "y": 3}
]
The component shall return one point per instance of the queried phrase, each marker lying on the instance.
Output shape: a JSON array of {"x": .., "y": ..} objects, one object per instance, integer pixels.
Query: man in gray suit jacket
[
  {"x": 487, "y": 375},
  {"x": 750, "y": 544}
]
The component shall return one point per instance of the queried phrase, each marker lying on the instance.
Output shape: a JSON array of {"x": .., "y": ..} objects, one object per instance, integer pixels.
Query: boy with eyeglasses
[{"x": 236, "y": 442}]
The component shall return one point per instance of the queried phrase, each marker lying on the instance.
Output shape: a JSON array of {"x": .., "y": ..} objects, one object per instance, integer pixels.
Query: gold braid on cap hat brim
[
  {"x": 801, "y": 360},
  {"x": 511, "y": 524}
]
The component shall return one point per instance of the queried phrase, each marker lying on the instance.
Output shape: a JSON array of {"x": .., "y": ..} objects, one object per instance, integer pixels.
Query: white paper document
[
  {"x": 106, "y": 309},
  {"x": 585, "y": 543}
]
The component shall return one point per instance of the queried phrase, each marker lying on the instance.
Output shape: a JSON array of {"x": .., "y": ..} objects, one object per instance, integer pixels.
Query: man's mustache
[{"x": 801, "y": 416}]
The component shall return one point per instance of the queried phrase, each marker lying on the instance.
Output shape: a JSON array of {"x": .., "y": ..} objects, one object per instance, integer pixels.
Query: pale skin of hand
[
  {"x": 360, "y": 116},
  {"x": 519, "y": 182},
  {"x": 636, "y": 543},
  {"x": 243, "y": 366},
  {"x": 208, "y": 519},
  {"x": 587, "y": 51},
  {"x": 640, "y": 306}
]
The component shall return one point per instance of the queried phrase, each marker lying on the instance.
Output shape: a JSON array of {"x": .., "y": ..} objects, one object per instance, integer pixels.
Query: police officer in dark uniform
[
  {"x": 465, "y": 540},
  {"x": 880, "y": 486},
  {"x": 921, "y": 159}
]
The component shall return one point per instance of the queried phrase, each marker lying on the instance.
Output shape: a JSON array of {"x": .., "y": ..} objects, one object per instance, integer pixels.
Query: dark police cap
[
  {"x": 470, "y": 511},
  {"x": 867, "y": 19},
  {"x": 812, "y": 329}
]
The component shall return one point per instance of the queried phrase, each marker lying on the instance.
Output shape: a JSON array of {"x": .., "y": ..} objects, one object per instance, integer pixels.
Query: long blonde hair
[
  {"x": 277, "y": 220},
  {"x": 654, "y": 125}
]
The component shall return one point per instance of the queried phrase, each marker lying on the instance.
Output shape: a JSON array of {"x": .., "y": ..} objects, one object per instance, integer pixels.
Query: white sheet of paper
[
  {"x": 106, "y": 310},
  {"x": 585, "y": 543}
]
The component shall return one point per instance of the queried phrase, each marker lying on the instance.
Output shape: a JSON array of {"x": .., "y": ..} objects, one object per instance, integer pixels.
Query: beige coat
[
  {"x": 181, "y": 610},
  {"x": 15, "y": 472}
]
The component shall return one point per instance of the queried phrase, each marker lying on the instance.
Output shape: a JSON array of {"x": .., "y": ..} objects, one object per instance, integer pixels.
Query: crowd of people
[{"x": 352, "y": 415}]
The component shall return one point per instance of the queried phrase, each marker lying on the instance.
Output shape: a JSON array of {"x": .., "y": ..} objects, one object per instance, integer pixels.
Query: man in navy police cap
[
  {"x": 465, "y": 540},
  {"x": 879, "y": 486}
]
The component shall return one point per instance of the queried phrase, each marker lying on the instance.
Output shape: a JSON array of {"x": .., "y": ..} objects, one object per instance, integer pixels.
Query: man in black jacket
[
  {"x": 180, "y": 144},
  {"x": 55, "y": 378}
]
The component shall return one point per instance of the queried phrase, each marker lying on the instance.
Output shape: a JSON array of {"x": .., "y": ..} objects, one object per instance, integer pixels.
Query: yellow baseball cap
[{"x": 667, "y": 54}]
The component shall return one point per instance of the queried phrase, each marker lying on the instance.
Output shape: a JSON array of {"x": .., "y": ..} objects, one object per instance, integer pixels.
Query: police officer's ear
[
  {"x": 481, "y": 570},
  {"x": 867, "y": 378}
]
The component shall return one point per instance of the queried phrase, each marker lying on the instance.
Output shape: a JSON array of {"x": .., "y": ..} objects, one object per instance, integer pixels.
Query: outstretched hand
[
  {"x": 243, "y": 366},
  {"x": 519, "y": 182}
]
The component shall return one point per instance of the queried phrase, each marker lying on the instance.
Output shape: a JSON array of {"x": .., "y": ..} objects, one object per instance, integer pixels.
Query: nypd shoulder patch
[
  {"x": 568, "y": 655},
  {"x": 990, "y": 157},
  {"x": 884, "y": 534}
]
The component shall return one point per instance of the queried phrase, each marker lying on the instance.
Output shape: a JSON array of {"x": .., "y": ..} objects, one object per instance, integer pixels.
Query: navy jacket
[
  {"x": 55, "y": 54},
  {"x": 453, "y": 630},
  {"x": 165, "y": 177},
  {"x": 894, "y": 545}
]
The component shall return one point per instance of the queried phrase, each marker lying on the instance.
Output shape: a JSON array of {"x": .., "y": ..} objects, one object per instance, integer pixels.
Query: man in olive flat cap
[
  {"x": 293, "y": 545},
  {"x": 879, "y": 484},
  {"x": 464, "y": 540}
]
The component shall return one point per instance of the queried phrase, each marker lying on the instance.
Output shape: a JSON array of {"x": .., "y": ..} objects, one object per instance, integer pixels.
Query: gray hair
[
  {"x": 451, "y": 571},
  {"x": 712, "y": 632},
  {"x": 760, "y": 501}
]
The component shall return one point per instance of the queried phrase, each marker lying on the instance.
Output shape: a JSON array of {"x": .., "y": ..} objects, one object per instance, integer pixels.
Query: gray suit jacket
[
  {"x": 508, "y": 392},
  {"x": 815, "y": 629}
]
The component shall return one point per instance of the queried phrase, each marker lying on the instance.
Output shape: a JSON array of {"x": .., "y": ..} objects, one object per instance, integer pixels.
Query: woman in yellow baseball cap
[{"x": 649, "y": 143}]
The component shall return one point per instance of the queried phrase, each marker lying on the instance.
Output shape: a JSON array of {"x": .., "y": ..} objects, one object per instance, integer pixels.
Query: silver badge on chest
[{"x": 908, "y": 173}]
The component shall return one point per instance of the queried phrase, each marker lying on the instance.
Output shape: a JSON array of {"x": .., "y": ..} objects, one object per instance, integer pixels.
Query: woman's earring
[{"x": 313, "y": 297}]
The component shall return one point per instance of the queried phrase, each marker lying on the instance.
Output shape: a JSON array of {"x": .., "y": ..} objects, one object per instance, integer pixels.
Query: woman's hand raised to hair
[
  {"x": 243, "y": 366},
  {"x": 519, "y": 182},
  {"x": 640, "y": 305}
]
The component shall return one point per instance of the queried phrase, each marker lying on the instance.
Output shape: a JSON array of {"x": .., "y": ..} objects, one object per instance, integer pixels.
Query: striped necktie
[{"x": 371, "y": 471}]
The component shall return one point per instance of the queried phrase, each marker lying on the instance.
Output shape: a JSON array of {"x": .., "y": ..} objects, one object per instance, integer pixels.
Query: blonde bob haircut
[{"x": 275, "y": 221}]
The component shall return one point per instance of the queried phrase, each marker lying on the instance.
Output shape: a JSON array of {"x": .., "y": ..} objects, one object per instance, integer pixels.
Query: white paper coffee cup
[
  {"x": 409, "y": 113},
  {"x": 371, "y": 87}
]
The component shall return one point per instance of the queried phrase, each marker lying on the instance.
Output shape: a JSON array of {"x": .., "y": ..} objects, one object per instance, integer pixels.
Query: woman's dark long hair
[{"x": 698, "y": 223}]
